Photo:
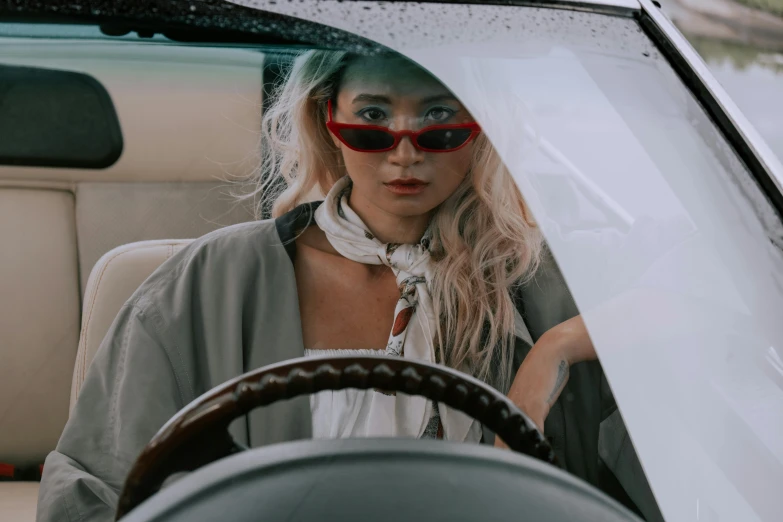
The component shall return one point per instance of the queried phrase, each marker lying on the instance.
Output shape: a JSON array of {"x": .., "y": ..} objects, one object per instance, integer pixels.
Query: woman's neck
[{"x": 388, "y": 228}]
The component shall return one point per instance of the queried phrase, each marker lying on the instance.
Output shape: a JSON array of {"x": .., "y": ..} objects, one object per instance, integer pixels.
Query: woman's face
[{"x": 391, "y": 92}]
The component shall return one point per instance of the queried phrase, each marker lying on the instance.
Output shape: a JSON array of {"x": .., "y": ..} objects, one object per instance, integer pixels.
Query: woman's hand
[{"x": 545, "y": 371}]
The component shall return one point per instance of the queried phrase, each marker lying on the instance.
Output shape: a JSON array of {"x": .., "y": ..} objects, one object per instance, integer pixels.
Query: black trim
[
  {"x": 218, "y": 21},
  {"x": 568, "y": 5},
  {"x": 713, "y": 108},
  {"x": 188, "y": 21},
  {"x": 293, "y": 223}
]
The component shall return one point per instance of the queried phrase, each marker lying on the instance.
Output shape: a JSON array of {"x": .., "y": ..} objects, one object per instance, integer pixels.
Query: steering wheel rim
[{"x": 198, "y": 434}]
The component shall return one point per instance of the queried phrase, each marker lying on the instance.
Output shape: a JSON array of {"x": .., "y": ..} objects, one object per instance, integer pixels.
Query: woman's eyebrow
[
  {"x": 438, "y": 98},
  {"x": 380, "y": 98},
  {"x": 377, "y": 98}
]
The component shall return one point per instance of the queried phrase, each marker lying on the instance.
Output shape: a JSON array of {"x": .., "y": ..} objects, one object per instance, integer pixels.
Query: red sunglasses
[{"x": 373, "y": 138}]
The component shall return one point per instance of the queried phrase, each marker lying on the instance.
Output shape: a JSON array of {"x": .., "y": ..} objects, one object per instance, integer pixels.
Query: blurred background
[{"x": 742, "y": 42}]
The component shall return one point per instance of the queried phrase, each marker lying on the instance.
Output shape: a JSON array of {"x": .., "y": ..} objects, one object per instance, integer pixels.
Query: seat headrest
[{"x": 113, "y": 280}]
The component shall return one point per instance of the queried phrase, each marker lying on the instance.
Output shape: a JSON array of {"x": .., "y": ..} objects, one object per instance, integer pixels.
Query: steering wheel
[{"x": 198, "y": 434}]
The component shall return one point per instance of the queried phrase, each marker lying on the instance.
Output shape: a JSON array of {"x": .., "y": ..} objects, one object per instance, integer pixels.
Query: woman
[{"x": 422, "y": 233}]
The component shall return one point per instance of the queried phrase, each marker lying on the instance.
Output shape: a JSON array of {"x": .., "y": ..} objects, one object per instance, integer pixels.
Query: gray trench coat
[{"x": 227, "y": 304}]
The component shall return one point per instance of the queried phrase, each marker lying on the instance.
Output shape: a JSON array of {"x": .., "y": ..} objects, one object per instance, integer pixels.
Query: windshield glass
[
  {"x": 642, "y": 220},
  {"x": 670, "y": 249}
]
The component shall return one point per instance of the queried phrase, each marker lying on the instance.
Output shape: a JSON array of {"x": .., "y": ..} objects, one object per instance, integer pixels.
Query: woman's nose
[{"x": 405, "y": 154}]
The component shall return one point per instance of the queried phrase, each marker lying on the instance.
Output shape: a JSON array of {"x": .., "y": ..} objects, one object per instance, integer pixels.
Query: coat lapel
[{"x": 277, "y": 337}]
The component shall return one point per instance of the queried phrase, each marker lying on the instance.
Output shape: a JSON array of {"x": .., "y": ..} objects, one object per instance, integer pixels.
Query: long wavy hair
[{"x": 484, "y": 241}]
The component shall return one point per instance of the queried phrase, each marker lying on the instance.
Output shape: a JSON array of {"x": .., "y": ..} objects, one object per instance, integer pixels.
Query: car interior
[
  {"x": 126, "y": 133},
  {"x": 168, "y": 134},
  {"x": 79, "y": 241}
]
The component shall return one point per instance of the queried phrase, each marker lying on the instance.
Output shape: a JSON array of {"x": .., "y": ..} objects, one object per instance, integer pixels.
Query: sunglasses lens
[
  {"x": 444, "y": 139},
  {"x": 367, "y": 139}
]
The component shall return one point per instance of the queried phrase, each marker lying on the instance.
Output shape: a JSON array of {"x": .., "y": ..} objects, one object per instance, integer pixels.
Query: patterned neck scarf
[{"x": 414, "y": 326}]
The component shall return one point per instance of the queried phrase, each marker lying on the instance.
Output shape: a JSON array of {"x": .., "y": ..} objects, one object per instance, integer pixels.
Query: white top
[{"x": 364, "y": 413}]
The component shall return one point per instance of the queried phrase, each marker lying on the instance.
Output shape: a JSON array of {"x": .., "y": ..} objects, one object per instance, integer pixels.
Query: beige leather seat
[
  {"x": 112, "y": 281},
  {"x": 190, "y": 118},
  {"x": 18, "y": 501}
]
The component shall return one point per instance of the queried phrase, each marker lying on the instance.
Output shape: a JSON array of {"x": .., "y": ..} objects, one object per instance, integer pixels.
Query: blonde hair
[{"x": 483, "y": 239}]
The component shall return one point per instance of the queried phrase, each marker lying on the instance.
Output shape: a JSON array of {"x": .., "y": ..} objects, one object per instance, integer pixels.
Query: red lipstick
[{"x": 406, "y": 186}]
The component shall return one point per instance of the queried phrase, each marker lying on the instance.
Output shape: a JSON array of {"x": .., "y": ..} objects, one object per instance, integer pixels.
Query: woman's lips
[{"x": 406, "y": 187}]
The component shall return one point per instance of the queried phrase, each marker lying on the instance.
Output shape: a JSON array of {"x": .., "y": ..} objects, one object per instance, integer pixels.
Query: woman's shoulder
[
  {"x": 243, "y": 243},
  {"x": 243, "y": 238},
  {"x": 218, "y": 264},
  {"x": 230, "y": 261}
]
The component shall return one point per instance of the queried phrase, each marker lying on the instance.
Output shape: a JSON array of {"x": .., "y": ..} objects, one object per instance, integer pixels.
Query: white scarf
[{"x": 414, "y": 326}]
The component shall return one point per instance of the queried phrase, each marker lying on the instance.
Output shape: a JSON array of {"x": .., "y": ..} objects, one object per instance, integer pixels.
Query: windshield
[
  {"x": 668, "y": 248},
  {"x": 660, "y": 219}
]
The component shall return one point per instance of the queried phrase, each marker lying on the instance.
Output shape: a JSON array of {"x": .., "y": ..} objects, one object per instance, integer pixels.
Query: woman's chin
[{"x": 407, "y": 209}]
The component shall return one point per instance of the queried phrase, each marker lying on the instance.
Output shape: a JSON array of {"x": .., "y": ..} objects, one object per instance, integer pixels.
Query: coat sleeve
[
  {"x": 130, "y": 391},
  {"x": 617, "y": 452}
]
